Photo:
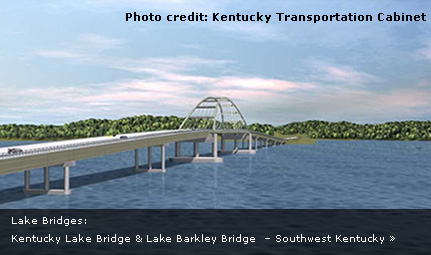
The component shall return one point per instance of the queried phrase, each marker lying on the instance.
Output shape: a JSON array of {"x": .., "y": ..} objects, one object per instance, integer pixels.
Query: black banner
[{"x": 215, "y": 231}]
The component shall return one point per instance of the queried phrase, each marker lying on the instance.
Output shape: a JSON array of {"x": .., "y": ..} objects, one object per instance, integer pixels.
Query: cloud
[
  {"x": 88, "y": 49},
  {"x": 83, "y": 49},
  {"x": 100, "y": 42},
  {"x": 61, "y": 54},
  {"x": 160, "y": 6},
  {"x": 366, "y": 106},
  {"x": 160, "y": 65},
  {"x": 424, "y": 53},
  {"x": 341, "y": 74},
  {"x": 347, "y": 74},
  {"x": 265, "y": 84},
  {"x": 193, "y": 46},
  {"x": 165, "y": 90},
  {"x": 156, "y": 86},
  {"x": 260, "y": 99},
  {"x": 173, "y": 85},
  {"x": 255, "y": 32}
]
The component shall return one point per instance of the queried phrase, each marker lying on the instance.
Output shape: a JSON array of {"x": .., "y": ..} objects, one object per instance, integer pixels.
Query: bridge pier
[
  {"x": 27, "y": 180},
  {"x": 177, "y": 149},
  {"x": 250, "y": 146},
  {"x": 46, "y": 177},
  {"x": 196, "y": 149},
  {"x": 222, "y": 143},
  {"x": 150, "y": 160},
  {"x": 197, "y": 158},
  {"x": 215, "y": 145},
  {"x": 46, "y": 190},
  {"x": 136, "y": 160},
  {"x": 223, "y": 149}
]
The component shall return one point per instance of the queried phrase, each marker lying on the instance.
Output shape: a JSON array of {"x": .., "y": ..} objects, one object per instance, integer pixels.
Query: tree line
[{"x": 398, "y": 130}]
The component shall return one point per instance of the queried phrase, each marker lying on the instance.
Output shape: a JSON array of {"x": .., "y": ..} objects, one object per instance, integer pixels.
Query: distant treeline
[
  {"x": 398, "y": 130},
  {"x": 90, "y": 128},
  {"x": 404, "y": 130}
]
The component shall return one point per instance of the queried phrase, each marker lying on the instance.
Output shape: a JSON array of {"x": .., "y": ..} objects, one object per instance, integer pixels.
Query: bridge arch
[{"x": 216, "y": 113}]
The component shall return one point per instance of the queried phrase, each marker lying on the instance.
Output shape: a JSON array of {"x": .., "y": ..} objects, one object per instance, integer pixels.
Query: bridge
[{"x": 214, "y": 120}]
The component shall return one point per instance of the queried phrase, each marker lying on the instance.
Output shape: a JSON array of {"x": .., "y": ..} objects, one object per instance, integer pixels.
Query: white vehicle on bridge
[{"x": 14, "y": 151}]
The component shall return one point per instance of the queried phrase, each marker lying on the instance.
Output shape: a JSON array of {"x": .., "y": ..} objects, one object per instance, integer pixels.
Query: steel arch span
[{"x": 216, "y": 113}]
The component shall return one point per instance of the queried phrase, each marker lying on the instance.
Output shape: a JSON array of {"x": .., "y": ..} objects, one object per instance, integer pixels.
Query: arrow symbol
[{"x": 392, "y": 238}]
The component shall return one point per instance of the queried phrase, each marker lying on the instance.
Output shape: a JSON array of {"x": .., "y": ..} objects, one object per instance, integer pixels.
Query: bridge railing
[
  {"x": 55, "y": 148},
  {"x": 63, "y": 147}
]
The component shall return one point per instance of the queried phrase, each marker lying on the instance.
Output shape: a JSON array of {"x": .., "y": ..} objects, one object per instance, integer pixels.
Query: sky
[{"x": 63, "y": 61}]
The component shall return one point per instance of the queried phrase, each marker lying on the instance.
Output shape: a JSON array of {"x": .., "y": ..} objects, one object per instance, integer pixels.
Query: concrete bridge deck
[
  {"x": 66, "y": 153},
  {"x": 56, "y": 153}
]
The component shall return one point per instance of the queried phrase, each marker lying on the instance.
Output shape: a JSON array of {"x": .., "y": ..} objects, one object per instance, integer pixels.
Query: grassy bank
[{"x": 302, "y": 138}]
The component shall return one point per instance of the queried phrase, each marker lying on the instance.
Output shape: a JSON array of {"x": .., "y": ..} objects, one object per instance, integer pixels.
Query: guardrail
[
  {"x": 268, "y": 136},
  {"x": 112, "y": 141},
  {"x": 89, "y": 144}
]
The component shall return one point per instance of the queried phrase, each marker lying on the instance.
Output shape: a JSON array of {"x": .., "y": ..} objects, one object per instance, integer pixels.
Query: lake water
[{"x": 328, "y": 174}]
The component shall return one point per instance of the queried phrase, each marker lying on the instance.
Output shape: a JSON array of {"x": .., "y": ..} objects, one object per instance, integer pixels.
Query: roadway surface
[
  {"x": 59, "y": 152},
  {"x": 44, "y": 147}
]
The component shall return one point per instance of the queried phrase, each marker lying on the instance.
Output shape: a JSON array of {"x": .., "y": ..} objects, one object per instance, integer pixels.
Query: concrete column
[
  {"x": 163, "y": 158},
  {"x": 223, "y": 144},
  {"x": 215, "y": 143},
  {"x": 196, "y": 149},
  {"x": 46, "y": 177},
  {"x": 266, "y": 143},
  {"x": 250, "y": 142},
  {"x": 255, "y": 143},
  {"x": 66, "y": 180},
  {"x": 235, "y": 143},
  {"x": 177, "y": 149},
  {"x": 27, "y": 179},
  {"x": 136, "y": 159},
  {"x": 150, "y": 163}
]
